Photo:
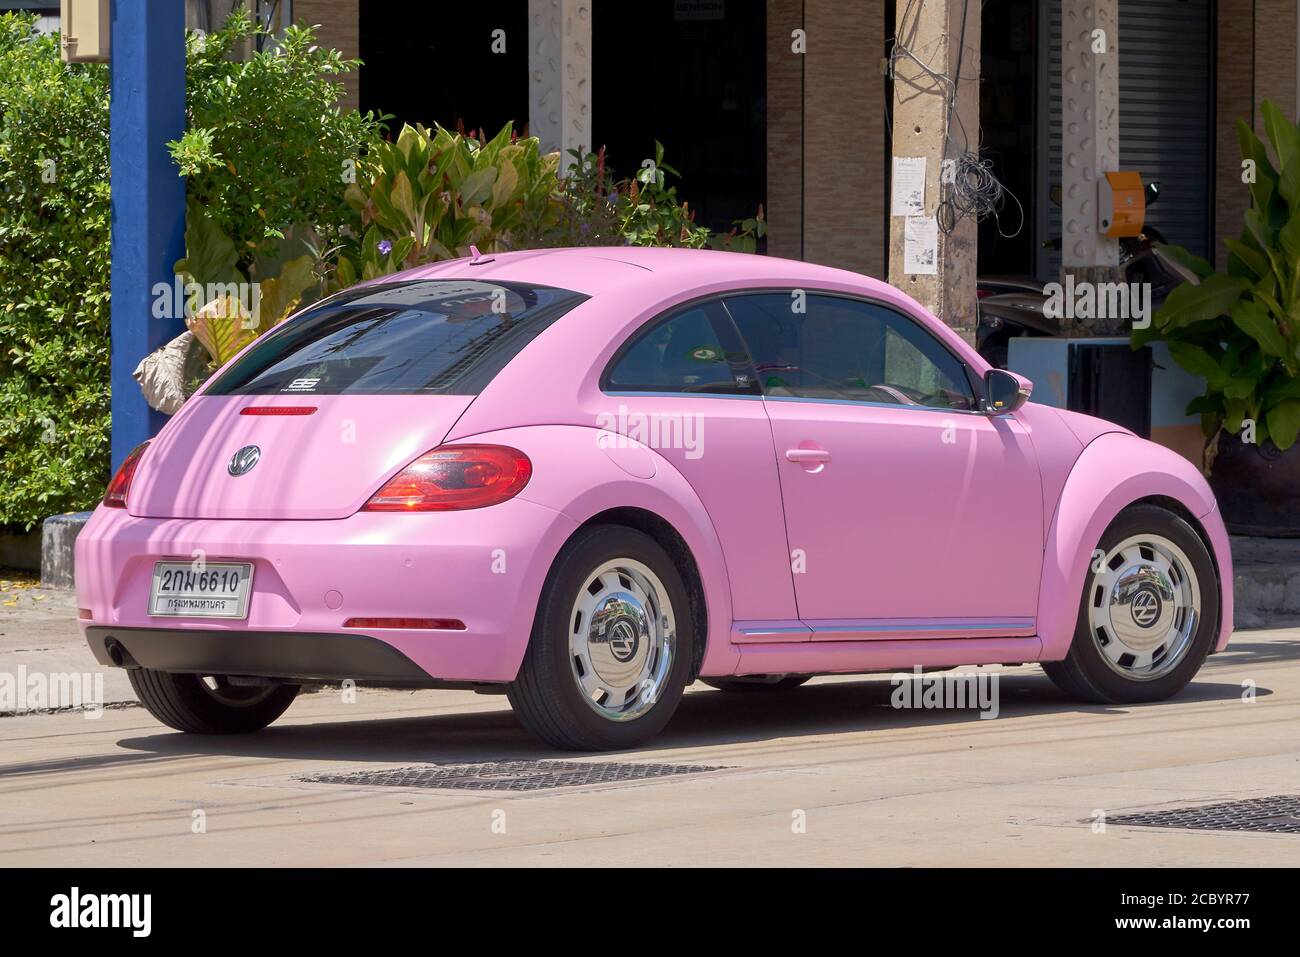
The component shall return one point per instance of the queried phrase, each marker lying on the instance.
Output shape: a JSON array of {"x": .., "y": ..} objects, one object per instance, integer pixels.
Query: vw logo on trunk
[
  {"x": 242, "y": 462},
  {"x": 1146, "y": 608}
]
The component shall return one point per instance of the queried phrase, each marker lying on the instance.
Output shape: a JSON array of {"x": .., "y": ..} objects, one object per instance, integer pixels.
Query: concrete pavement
[{"x": 825, "y": 774}]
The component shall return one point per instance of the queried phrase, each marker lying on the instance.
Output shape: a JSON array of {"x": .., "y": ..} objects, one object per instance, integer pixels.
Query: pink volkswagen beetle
[{"x": 592, "y": 476}]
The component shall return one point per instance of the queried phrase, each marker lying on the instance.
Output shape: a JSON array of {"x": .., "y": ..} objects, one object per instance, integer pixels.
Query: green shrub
[
  {"x": 599, "y": 209},
  {"x": 267, "y": 147},
  {"x": 54, "y": 277},
  {"x": 433, "y": 193}
]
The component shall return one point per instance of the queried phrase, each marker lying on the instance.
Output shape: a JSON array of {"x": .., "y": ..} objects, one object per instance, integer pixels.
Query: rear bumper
[
  {"x": 484, "y": 567},
  {"x": 288, "y": 655}
]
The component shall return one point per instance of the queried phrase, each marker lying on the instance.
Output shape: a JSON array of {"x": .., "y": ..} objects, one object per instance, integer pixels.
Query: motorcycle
[{"x": 1013, "y": 306}]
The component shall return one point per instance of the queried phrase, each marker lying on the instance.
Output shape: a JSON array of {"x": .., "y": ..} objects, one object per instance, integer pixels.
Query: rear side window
[
  {"x": 692, "y": 350},
  {"x": 430, "y": 336}
]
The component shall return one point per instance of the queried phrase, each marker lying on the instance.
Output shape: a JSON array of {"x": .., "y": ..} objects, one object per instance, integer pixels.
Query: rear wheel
[
  {"x": 611, "y": 645},
  {"x": 751, "y": 683},
  {"x": 209, "y": 705},
  {"x": 1148, "y": 614}
]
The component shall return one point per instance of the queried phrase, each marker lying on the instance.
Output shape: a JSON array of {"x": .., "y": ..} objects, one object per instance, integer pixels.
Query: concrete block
[{"x": 58, "y": 535}]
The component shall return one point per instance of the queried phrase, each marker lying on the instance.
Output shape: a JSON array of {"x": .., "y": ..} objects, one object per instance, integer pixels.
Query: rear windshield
[{"x": 429, "y": 336}]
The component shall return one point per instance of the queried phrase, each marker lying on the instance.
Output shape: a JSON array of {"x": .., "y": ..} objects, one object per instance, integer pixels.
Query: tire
[
  {"x": 588, "y": 685},
  {"x": 187, "y": 702},
  {"x": 786, "y": 683},
  {"x": 1111, "y": 627}
]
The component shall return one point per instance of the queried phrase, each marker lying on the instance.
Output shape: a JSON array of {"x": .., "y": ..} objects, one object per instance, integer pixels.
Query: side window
[
  {"x": 837, "y": 348},
  {"x": 683, "y": 353}
]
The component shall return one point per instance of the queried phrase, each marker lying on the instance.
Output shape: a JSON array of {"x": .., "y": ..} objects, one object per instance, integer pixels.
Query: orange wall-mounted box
[{"x": 1122, "y": 204}]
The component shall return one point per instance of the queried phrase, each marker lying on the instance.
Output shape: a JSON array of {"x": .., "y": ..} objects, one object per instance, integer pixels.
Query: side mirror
[{"x": 1004, "y": 392}]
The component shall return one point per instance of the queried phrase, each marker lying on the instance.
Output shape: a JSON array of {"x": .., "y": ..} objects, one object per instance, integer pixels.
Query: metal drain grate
[
  {"x": 509, "y": 775},
  {"x": 1275, "y": 815}
]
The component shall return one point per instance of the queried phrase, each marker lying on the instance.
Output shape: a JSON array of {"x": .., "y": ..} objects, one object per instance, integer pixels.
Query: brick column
[
  {"x": 340, "y": 29},
  {"x": 826, "y": 133}
]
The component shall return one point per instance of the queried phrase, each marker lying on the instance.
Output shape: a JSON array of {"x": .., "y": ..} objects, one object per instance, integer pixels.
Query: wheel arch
[
  {"x": 668, "y": 538},
  {"x": 1116, "y": 471},
  {"x": 587, "y": 484}
]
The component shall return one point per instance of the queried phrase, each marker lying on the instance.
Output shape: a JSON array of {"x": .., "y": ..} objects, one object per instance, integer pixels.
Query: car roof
[{"x": 595, "y": 269}]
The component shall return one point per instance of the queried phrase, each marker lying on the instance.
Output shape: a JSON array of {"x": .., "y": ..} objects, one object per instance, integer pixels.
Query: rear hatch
[
  {"x": 324, "y": 464},
  {"x": 310, "y": 420}
]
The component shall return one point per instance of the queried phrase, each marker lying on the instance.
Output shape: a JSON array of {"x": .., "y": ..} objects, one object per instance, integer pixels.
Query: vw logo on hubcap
[
  {"x": 623, "y": 640},
  {"x": 1145, "y": 608},
  {"x": 242, "y": 462}
]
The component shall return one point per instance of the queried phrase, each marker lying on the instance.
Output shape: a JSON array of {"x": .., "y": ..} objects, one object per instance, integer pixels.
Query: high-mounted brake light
[
  {"x": 454, "y": 477},
  {"x": 277, "y": 410},
  {"x": 115, "y": 496}
]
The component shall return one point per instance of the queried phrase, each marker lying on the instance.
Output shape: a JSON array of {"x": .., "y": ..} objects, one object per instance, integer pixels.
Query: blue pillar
[{"x": 148, "y": 109}]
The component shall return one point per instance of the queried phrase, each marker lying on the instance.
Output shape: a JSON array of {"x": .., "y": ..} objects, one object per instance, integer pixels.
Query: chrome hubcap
[
  {"x": 1144, "y": 607},
  {"x": 622, "y": 638}
]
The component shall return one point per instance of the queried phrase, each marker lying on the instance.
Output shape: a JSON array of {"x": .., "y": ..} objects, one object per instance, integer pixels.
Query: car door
[
  {"x": 909, "y": 512},
  {"x": 681, "y": 385}
]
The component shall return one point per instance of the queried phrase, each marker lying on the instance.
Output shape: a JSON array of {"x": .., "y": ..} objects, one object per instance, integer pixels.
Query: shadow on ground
[{"x": 705, "y": 719}]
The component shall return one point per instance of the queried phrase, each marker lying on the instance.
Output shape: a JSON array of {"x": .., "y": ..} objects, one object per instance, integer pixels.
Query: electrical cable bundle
[{"x": 968, "y": 186}]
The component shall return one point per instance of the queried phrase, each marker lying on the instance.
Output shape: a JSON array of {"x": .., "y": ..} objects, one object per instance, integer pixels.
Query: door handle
[{"x": 813, "y": 460}]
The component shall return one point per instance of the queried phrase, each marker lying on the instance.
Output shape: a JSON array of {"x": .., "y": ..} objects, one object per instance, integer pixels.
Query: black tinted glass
[
  {"x": 430, "y": 336},
  {"x": 829, "y": 347}
]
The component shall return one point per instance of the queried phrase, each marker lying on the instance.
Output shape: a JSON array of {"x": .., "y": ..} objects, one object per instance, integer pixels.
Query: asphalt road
[{"x": 825, "y": 774}]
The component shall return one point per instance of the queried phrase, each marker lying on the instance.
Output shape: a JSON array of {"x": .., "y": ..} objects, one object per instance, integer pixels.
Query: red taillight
[
  {"x": 115, "y": 497},
  {"x": 454, "y": 477},
  {"x": 277, "y": 410},
  {"x": 419, "y": 624}
]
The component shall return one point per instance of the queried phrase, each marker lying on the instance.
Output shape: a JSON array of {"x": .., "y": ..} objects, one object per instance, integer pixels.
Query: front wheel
[
  {"x": 209, "y": 705},
  {"x": 611, "y": 645},
  {"x": 1148, "y": 615}
]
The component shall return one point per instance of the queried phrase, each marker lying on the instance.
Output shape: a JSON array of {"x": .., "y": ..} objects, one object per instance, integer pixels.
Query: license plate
[{"x": 214, "y": 590}]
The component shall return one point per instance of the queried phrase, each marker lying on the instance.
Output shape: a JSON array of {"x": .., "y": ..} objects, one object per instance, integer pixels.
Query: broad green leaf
[
  {"x": 1196, "y": 361},
  {"x": 1289, "y": 236},
  {"x": 1282, "y": 134},
  {"x": 1242, "y": 388},
  {"x": 477, "y": 186},
  {"x": 1178, "y": 254},
  {"x": 1256, "y": 263},
  {"x": 1205, "y": 404},
  {"x": 1281, "y": 390},
  {"x": 1284, "y": 423},
  {"x": 506, "y": 182},
  {"x": 1252, "y": 148},
  {"x": 280, "y": 295},
  {"x": 210, "y": 255},
  {"x": 1254, "y": 320},
  {"x": 1186, "y": 304},
  {"x": 403, "y": 198}
]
